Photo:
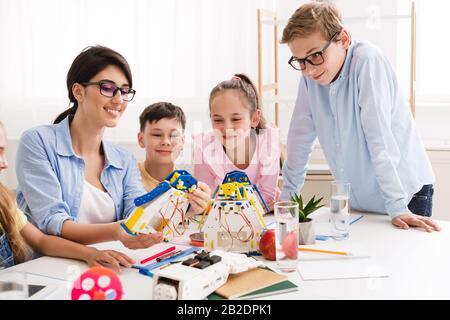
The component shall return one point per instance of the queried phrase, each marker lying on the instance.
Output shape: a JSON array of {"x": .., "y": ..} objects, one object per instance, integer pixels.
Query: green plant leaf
[
  {"x": 317, "y": 202},
  {"x": 310, "y": 203},
  {"x": 293, "y": 198},
  {"x": 305, "y": 210},
  {"x": 300, "y": 201},
  {"x": 301, "y": 216}
]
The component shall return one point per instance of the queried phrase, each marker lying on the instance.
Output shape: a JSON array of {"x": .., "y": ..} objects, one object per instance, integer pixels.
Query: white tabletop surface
[{"x": 417, "y": 264}]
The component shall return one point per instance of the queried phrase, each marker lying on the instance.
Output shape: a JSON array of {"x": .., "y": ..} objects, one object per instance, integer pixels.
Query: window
[
  {"x": 433, "y": 52},
  {"x": 177, "y": 49}
]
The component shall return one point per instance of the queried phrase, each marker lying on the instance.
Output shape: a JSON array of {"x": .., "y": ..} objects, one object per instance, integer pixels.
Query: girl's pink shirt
[{"x": 211, "y": 163}]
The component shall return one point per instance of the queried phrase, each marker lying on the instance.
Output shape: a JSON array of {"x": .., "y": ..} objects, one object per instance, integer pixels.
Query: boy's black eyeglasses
[
  {"x": 314, "y": 59},
  {"x": 109, "y": 90}
]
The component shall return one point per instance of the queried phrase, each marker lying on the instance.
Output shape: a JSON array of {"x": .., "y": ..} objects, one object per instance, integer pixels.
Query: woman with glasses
[
  {"x": 18, "y": 237},
  {"x": 71, "y": 182},
  {"x": 349, "y": 98}
]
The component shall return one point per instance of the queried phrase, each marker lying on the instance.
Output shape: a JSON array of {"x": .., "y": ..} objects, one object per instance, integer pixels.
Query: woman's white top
[{"x": 96, "y": 206}]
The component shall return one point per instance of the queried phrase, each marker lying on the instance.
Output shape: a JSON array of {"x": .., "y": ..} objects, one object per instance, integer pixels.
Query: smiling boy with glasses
[{"x": 350, "y": 99}]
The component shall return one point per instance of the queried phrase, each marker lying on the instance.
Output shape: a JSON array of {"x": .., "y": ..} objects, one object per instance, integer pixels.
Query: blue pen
[
  {"x": 173, "y": 258},
  {"x": 360, "y": 217},
  {"x": 146, "y": 272}
]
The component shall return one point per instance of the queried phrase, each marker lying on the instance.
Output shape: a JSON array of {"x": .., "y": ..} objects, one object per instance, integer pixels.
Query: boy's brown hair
[
  {"x": 312, "y": 17},
  {"x": 161, "y": 110}
]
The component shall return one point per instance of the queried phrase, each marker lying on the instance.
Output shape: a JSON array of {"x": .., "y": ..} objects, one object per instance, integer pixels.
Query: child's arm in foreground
[{"x": 60, "y": 247}]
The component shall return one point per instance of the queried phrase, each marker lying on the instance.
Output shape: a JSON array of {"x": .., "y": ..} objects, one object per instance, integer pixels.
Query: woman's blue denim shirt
[{"x": 50, "y": 177}]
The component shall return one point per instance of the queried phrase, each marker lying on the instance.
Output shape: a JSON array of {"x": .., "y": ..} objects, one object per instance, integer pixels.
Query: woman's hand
[
  {"x": 199, "y": 198},
  {"x": 138, "y": 241},
  {"x": 109, "y": 258}
]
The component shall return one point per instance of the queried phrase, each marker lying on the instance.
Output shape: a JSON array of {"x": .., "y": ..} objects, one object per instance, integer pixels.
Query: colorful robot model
[
  {"x": 235, "y": 217},
  {"x": 164, "y": 208}
]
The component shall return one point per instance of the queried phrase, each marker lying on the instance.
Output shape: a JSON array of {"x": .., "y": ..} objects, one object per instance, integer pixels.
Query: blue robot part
[
  {"x": 162, "y": 187},
  {"x": 125, "y": 228},
  {"x": 178, "y": 179},
  {"x": 261, "y": 198},
  {"x": 241, "y": 177},
  {"x": 236, "y": 176},
  {"x": 181, "y": 180}
]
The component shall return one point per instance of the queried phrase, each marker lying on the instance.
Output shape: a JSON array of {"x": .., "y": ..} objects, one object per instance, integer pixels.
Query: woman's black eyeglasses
[{"x": 109, "y": 90}]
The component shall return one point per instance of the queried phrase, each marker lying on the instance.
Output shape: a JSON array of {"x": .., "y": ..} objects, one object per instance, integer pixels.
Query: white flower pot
[{"x": 307, "y": 234}]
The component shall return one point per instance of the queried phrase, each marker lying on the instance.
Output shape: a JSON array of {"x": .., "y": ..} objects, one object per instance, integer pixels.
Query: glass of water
[
  {"x": 13, "y": 285},
  {"x": 286, "y": 235},
  {"x": 339, "y": 210}
]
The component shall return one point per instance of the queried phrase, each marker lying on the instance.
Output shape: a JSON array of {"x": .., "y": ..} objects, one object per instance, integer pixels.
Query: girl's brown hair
[
  {"x": 8, "y": 221},
  {"x": 245, "y": 86}
]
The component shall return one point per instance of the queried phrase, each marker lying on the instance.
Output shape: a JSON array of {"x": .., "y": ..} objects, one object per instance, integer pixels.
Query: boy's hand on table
[
  {"x": 199, "y": 198},
  {"x": 412, "y": 220}
]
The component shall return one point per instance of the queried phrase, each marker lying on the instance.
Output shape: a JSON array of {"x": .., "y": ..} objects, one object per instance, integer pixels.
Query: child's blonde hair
[
  {"x": 245, "y": 86},
  {"x": 311, "y": 17},
  {"x": 21, "y": 251}
]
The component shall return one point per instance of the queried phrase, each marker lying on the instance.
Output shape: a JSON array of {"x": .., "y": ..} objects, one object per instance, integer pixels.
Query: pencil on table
[{"x": 325, "y": 251}]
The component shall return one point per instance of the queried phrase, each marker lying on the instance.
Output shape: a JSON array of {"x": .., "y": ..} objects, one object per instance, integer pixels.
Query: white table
[{"x": 417, "y": 262}]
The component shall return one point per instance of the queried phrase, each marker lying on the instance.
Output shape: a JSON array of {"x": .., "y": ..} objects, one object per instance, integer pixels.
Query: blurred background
[{"x": 180, "y": 49}]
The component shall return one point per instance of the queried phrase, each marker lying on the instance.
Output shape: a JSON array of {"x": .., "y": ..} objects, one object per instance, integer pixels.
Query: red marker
[{"x": 159, "y": 254}]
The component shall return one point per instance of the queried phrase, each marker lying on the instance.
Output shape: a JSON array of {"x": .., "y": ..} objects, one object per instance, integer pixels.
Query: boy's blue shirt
[
  {"x": 366, "y": 132},
  {"x": 50, "y": 177}
]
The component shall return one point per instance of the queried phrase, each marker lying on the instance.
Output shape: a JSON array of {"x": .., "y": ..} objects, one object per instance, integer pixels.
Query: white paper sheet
[{"x": 340, "y": 268}]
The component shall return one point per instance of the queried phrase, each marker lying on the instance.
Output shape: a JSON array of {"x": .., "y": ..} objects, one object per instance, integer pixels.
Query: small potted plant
[{"x": 307, "y": 234}]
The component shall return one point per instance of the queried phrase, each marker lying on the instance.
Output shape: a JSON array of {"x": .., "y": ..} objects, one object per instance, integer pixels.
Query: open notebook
[{"x": 253, "y": 283}]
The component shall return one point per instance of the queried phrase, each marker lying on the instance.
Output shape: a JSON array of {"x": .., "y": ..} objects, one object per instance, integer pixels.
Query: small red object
[
  {"x": 197, "y": 239},
  {"x": 290, "y": 245},
  {"x": 159, "y": 254},
  {"x": 267, "y": 244}
]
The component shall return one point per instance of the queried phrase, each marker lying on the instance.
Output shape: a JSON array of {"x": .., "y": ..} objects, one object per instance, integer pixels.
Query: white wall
[
  {"x": 239, "y": 54},
  {"x": 364, "y": 21},
  {"x": 178, "y": 51}
]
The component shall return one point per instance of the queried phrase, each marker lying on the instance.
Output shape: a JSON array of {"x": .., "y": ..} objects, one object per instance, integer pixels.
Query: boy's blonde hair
[{"x": 312, "y": 17}]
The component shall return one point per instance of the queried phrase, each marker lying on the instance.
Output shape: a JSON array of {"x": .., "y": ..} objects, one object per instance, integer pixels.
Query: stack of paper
[{"x": 253, "y": 283}]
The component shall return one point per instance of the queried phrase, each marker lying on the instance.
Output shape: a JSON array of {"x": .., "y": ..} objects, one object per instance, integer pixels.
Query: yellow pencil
[{"x": 325, "y": 251}]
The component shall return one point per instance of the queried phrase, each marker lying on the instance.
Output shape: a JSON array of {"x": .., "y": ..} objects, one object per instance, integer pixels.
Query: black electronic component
[
  {"x": 202, "y": 264},
  {"x": 190, "y": 262},
  {"x": 214, "y": 259},
  {"x": 202, "y": 255}
]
